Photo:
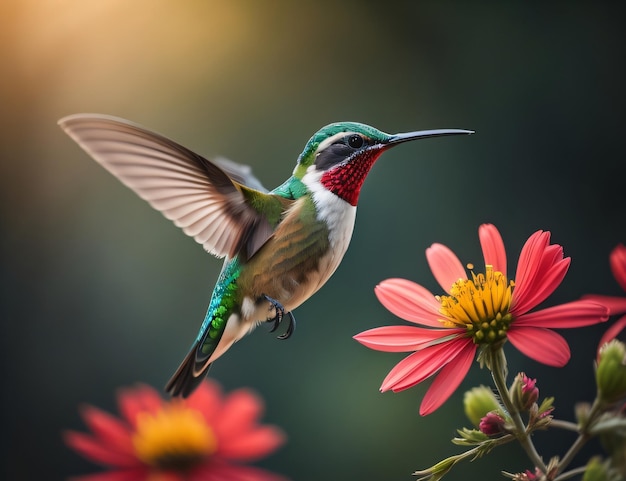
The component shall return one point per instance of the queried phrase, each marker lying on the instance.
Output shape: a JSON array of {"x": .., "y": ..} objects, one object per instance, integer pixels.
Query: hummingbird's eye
[{"x": 355, "y": 141}]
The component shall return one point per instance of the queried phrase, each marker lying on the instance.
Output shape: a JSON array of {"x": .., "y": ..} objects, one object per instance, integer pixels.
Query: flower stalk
[{"x": 498, "y": 373}]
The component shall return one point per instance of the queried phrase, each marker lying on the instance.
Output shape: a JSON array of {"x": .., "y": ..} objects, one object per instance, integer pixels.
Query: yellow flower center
[
  {"x": 175, "y": 438},
  {"x": 481, "y": 305}
]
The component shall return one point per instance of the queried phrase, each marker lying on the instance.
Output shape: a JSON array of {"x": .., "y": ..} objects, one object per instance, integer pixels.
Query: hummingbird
[{"x": 279, "y": 247}]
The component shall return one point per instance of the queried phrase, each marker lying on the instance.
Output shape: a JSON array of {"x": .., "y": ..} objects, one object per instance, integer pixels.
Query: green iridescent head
[
  {"x": 341, "y": 142},
  {"x": 336, "y": 132},
  {"x": 340, "y": 155}
]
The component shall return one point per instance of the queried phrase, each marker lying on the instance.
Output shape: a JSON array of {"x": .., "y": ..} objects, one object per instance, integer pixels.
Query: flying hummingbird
[{"x": 279, "y": 247}]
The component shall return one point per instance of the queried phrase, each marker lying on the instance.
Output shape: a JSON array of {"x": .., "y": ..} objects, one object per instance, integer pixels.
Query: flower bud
[
  {"x": 595, "y": 471},
  {"x": 611, "y": 372},
  {"x": 478, "y": 402},
  {"x": 525, "y": 476},
  {"x": 492, "y": 424},
  {"x": 524, "y": 392}
]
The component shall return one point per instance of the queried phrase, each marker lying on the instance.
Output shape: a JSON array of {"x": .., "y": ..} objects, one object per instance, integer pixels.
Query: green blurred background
[{"x": 100, "y": 291}]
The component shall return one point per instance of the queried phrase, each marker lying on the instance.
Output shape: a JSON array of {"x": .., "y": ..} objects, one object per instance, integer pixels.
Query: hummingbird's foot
[
  {"x": 278, "y": 318},
  {"x": 290, "y": 328}
]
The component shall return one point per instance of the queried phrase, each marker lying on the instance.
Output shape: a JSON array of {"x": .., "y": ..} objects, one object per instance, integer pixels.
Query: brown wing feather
[{"x": 193, "y": 192}]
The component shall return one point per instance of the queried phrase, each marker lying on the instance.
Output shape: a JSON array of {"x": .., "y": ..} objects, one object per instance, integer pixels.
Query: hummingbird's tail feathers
[{"x": 187, "y": 377}]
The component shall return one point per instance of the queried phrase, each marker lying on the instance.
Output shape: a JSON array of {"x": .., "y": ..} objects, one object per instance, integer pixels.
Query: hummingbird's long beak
[{"x": 423, "y": 134}]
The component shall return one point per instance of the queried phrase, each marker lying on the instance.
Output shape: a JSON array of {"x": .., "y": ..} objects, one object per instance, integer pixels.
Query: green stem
[
  {"x": 572, "y": 451},
  {"x": 567, "y": 425},
  {"x": 582, "y": 438},
  {"x": 498, "y": 372},
  {"x": 571, "y": 473}
]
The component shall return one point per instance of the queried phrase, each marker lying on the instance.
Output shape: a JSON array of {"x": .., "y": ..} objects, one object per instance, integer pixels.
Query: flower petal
[
  {"x": 132, "y": 401},
  {"x": 445, "y": 266},
  {"x": 207, "y": 399},
  {"x": 447, "y": 380},
  {"x": 221, "y": 471},
  {"x": 253, "y": 444},
  {"x": 531, "y": 255},
  {"x": 420, "y": 365},
  {"x": 108, "y": 429},
  {"x": 493, "y": 247},
  {"x": 90, "y": 448},
  {"x": 540, "y": 270},
  {"x": 409, "y": 301},
  {"x": 612, "y": 332},
  {"x": 542, "y": 345},
  {"x": 571, "y": 314},
  {"x": 138, "y": 474},
  {"x": 615, "y": 305},
  {"x": 617, "y": 260},
  {"x": 403, "y": 338},
  {"x": 544, "y": 284},
  {"x": 239, "y": 414}
]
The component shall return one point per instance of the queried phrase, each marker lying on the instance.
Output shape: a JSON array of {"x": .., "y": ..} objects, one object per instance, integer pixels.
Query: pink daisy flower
[
  {"x": 484, "y": 310},
  {"x": 204, "y": 437},
  {"x": 615, "y": 304}
]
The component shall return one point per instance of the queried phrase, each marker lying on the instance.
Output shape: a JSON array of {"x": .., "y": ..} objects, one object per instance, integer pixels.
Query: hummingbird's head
[{"x": 340, "y": 155}]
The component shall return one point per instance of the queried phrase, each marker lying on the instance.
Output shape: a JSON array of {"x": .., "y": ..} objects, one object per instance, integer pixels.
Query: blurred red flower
[{"x": 204, "y": 437}]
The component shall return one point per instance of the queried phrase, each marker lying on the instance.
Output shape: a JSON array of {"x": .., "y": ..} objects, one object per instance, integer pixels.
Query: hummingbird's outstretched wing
[{"x": 227, "y": 217}]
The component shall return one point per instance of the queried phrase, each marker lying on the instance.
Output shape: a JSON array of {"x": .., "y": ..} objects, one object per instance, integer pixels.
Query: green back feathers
[
  {"x": 292, "y": 188},
  {"x": 270, "y": 206}
]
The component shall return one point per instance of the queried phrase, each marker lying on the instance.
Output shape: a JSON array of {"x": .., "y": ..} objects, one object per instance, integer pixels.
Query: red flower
[
  {"x": 204, "y": 437},
  {"x": 616, "y": 305},
  {"x": 484, "y": 310}
]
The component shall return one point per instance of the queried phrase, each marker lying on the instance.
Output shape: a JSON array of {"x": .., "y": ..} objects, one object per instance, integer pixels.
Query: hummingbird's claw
[
  {"x": 290, "y": 328},
  {"x": 278, "y": 318}
]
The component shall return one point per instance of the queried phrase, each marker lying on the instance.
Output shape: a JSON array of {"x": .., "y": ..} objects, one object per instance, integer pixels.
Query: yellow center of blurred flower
[
  {"x": 480, "y": 304},
  {"x": 175, "y": 438}
]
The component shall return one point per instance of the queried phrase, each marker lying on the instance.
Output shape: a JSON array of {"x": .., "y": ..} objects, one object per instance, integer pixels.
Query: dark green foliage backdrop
[{"x": 99, "y": 291}]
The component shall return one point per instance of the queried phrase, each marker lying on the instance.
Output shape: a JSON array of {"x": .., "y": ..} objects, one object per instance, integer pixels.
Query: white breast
[{"x": 339, "y": 215}]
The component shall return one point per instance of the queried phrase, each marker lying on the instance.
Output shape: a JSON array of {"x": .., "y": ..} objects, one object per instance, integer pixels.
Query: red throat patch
[{"x": 346, "y": 180}]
